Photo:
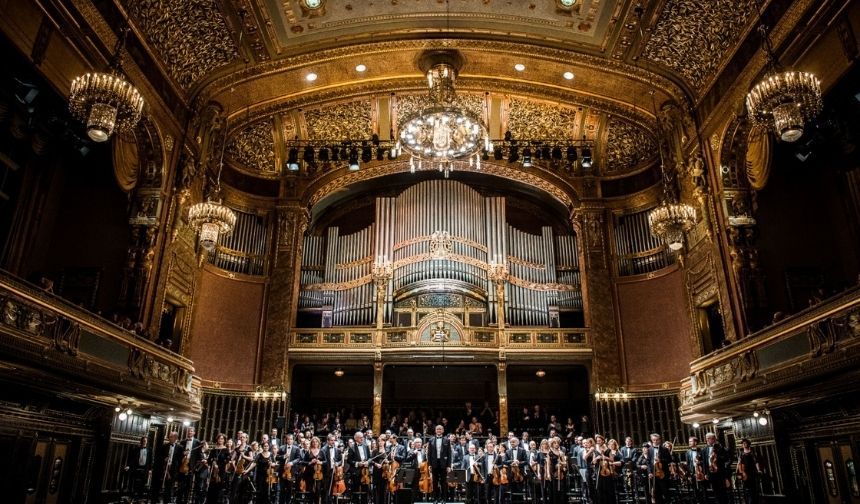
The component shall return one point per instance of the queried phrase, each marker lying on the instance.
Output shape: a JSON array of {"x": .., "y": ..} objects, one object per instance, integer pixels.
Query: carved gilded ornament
[
  {"x": 693, "y": 38},
  {"x": 627, "y": 146},
  {"x": 344, "y": 121},
  {"x": 411, "y": 105},
  {"x": 254, "y": 147},
  {"x": 540, "y": 120},
  {"x": 191, "y": 36}
]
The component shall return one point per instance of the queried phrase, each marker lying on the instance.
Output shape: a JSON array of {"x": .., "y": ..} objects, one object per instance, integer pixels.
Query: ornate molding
[
  {"x": 627, "y": 147},
  {"x": 694, "y": 38},
  {"x": 254, "y": 147},
  {"x": 541, "y": 120},
  {"x": 342, "y": 121}
]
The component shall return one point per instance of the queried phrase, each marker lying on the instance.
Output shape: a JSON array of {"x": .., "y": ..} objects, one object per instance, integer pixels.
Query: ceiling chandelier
[
  {"x": 210, "y": 219},
  {"x": 442, "y": 133},
  {"x": 784, "y": 100},
  {"x": 105, "y": 101},
  {"x": 671, "y": 220}
]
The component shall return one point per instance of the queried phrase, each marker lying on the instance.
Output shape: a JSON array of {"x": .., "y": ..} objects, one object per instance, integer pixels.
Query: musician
[
  {"x": 171, "y": 453},
  {"x": 263, "y": 467},
  {"x": 558, "y": 472},
  {"x": 287, "y": 459},
  {"x": 659, "y": 459},
  {"x": 518, "y": 462},
  {"x": 439, "y": 455},
  {"x": 190, "y": 456},
  {"x": 219, "y": 458},
  {"x": 415, "y": 459},
  {"x": 578, "y": 452},
  {"x": 502, "y": 475},
  {"x": 717, "y": 459},
  {"x": 334, "y": 459},
  {"x": 137, "y": 467},
  {"x": 316, "y": 461},
  {"x": 474, "y": 476},
  {"x": 487, "y": 467},
  {"x": 608, "y": 463},
  {"x": 381, "y": 459},
  {"x": 202, "y": 471},
  {"x": 360, "y": 466},
  {"x": 274, "y": 440},
  {"x": 629, "y": 453},
  {"x": 748, "y": 472}
]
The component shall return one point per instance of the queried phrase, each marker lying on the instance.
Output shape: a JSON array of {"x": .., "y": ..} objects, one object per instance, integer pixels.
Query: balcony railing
[{"x": 47, "y": 333}]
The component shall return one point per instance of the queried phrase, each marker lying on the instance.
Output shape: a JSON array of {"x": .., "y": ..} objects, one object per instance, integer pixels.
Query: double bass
[
  {"x": 393, "y": 467},
  {"x": 338, "y": 486},
  {"x": 425, "y": 484}
]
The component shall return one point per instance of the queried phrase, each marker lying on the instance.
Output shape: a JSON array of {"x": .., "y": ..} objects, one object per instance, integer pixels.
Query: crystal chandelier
[
  {"x": 671, "y": 220},
  {"x": 784, "y": 100},
  {"x": 210, "y": 219},
  {"x": 105, "y": 101},
  {"x": 442, "y": 133}
]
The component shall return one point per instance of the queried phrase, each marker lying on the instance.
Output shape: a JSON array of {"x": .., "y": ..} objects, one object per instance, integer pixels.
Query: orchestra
[{"x": 444, "y": 468}]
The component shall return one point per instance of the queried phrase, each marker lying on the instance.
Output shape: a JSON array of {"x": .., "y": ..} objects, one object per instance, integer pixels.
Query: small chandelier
[
  {"x": 210, "y": 219},
  {"x": 784, "y": 100},
  {"x": 105, "y": 101},
  {"x": 671, "y": 220},
  {"x": 442, "y": 133}
]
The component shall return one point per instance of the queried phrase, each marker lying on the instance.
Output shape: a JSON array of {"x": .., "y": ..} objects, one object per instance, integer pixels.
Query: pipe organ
[
  {"x": 245, "y": 249},
  {"x": 438, "y": 237},
  {"x": 637, "y": 251}
]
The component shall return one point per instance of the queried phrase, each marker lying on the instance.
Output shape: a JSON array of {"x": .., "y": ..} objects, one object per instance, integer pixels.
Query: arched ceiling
[{"x": 253, "y": 57}]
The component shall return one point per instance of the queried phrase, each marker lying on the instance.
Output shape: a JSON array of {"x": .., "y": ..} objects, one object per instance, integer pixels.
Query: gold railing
[
  {"x": 482, "y": 337},
  {"x": 36, "y": 326},
  {"x": 820, "y": 339}
]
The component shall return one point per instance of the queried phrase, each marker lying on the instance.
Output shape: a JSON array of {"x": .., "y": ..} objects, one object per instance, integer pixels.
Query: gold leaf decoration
[
  {"x": 411, "y": 105},
  {"x": 343, "y": 121},
  {"x": 693, "y": 37},
  {"x": 191, "y": 36},
  {"x": 627, "y": 146},
  {"x": 254, "y": 147},
  {"x": 540, "y": 121}
]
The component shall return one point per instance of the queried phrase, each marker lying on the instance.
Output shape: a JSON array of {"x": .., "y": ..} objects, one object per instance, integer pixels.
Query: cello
[
  {"x": 338, "y": 486},
  {"x": 425, "y": 484}
]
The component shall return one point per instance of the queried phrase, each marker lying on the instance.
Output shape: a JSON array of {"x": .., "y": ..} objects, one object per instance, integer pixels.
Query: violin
[
  {"x": 712, "y": 460},
  {"x": 605, "y": 471},
  {"x": 393, "y": 467},
  {"x": 287, "y": 473},
  {"x": 516, "y": 472},
  {"x": 185, "y": 467},
  {"x": 318, "y": 472},
  {"x": 700, "y": 472},
  {"x": 215, "y": 475},
  {"x": 742, "y": 470},
  {"x": 338, "y": 487},
  {"x": 658, "y": 469},
  {"x": 425, "y": 484}
]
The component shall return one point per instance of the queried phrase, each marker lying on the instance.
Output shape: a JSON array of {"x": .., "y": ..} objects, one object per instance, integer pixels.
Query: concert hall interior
[{"x": 363, "y": 223}]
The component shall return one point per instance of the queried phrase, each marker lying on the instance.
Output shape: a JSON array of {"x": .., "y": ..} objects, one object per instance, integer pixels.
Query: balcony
[
  {"x": 798, "y": 359},
  {"x": 47, "y": 342}
]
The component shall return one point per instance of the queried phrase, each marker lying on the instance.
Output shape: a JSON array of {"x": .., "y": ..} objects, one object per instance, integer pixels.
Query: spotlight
[
  {"x": 546, "y": 152},
  {"x": 366, "y": 154},
  {"x": 513, "y": 154},
  {"x": 392, "y": 154},
  {"x": 508, "y": 136},
  {"x": 338, "y": 372},
  {"x": 186, "y": 423},
  {"x": 755, "y": 414},
  {"x": 170, "y": 419},
  {"x": 335, "y": 154},
  {"x": 540, "y": 373},
  {"x": 485, "y": 155},
  {"x": 324, "y": 154},
  {"x": 293, "y": 159},
  {"x": 696, "y": 425},
  {"x": 597, "y": 396},
  {"x": 497, "y": 154},
  {"x": 344, "y": 152},
  {"x": 308, "y": 156},
  {"x": 128, "y": 412},
  {"x": 527, "y": 157},
  {"x": 571, "y": 154},
  {"x": 380, "y": 153},
  {"x": 353, "y": 159},
  {"x": 117, "y": 409},
  {"x": 556, "y": 153},
  {"x": 762, "y": 421},
  {"x": 586, "y": 158},
  {"x": 123, "y": 417},
  {"x": 374, "y": 139},
  {"x": 715, "y": 421}
]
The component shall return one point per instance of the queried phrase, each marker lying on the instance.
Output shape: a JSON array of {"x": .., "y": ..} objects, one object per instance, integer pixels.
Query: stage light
[
  {"x": 128, "y": 412},
  {"x": 755, "y": 414},
  {"x": 392, "y": 153},
  {"x": 324, "y": 155},
  {"x": 344, "y": 153},
  {"x": 170, "y": 419},
  {"x": 715, "y": 421},
  {"x": 353, "y": 159},
  {"x": 117, "y": 409},
  {"x": 762, "y": 421},
  {"x": 308, "y": 156},
  {"x": 366, "y": 154},
  {"x": 540, "y": 373},
  {"x": 546, "y": 152},
  {"x": 293, "y": 159},
  {"x": 338, "y": 372},
  {"x": 498, "y": 154},
  {"x": 586, "y": 158},
  {"x": 380, "y": 154},
  {"x": 527, "y": 157},
  {"x": 571, "y": 154},
  {"x": 123, "y": 417},
  {"x": 696, "y": 425},
  {"x": 485, "y": 155},
  {"x": 556, "y": 153},
  {"x": 186, "y": 423},
  {"x": 513, "y": 154}
]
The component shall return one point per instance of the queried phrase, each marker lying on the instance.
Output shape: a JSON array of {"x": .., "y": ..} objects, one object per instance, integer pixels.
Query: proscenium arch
[{"x": 559, "y": 196}]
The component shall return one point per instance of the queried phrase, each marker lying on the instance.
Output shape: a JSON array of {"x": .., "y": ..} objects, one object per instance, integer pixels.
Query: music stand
[
  {"x": 457, "y": 476},
  {"x": 405, "y": 477}
]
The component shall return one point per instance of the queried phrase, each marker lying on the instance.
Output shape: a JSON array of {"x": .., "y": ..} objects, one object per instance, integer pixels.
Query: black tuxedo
[
  {"x": 439, "y": 454},
  {"x": 169, "y": 460},
  {"x": 629, "y": 454},
  {"x": 719, "y": 478},
  {"x": 661, "y": 485},
  {"x": 136, "y": 471},
  {"x": 473, "y": 488},
  {"x": 190, "y": 448}
]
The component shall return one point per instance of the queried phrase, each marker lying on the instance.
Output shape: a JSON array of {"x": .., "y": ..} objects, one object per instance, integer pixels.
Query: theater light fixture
[
  {"x": 338, "y": 372},
  {"x": 105, "y": 101},
  {"x": 540, "y": 373}
]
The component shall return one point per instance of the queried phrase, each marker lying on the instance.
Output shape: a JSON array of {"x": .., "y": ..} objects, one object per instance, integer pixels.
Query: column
[
  {"x": 377, "y": 397},
  {"x": 282, "y": 295},
  {"x": 503, "y": 398},
  {"x": 591, "y": 231}
]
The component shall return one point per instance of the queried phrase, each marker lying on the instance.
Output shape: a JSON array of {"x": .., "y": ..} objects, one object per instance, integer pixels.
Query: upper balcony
[
  {"x": 788, "y": 361},
  {"x": 49, "y": 342}
]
